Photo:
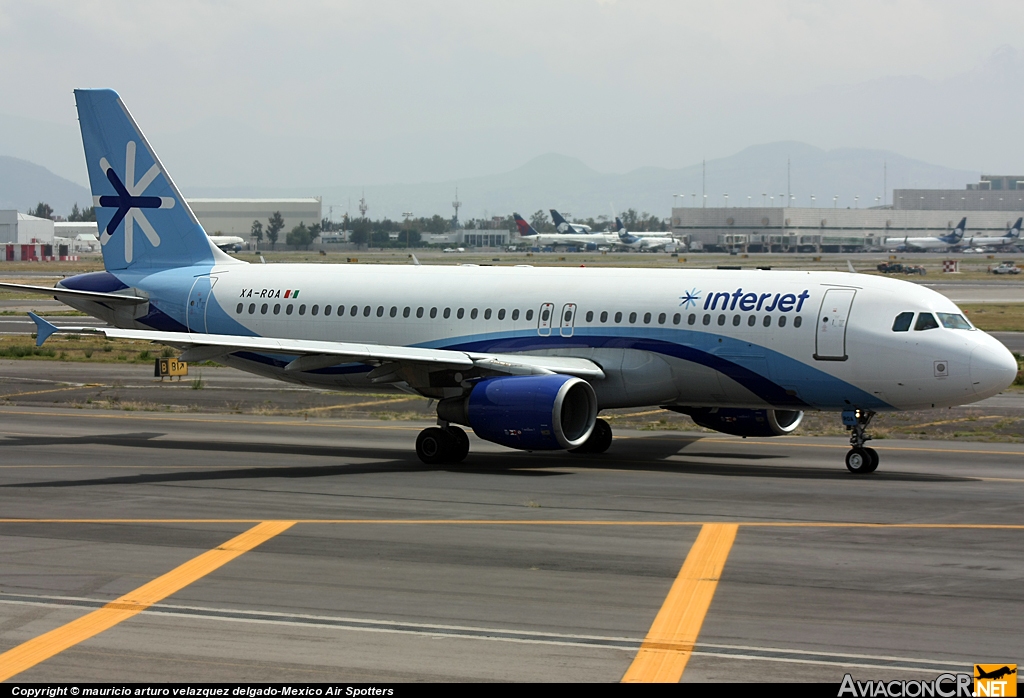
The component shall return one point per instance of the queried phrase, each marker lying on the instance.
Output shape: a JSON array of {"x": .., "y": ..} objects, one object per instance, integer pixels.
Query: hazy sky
[{"x": 370, "y": 92}]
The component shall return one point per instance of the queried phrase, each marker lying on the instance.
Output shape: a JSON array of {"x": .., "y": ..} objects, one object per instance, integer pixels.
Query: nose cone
[{"x": 993, "y": 368}]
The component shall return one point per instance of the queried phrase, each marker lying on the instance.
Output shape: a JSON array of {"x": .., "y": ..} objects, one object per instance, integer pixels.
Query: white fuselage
[{"x": 793, "y": 340}]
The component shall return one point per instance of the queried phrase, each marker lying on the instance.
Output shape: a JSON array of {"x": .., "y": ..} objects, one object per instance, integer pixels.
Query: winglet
[
  {"x": 43, "y": 328},
  {"x": 849, "y": 265}
]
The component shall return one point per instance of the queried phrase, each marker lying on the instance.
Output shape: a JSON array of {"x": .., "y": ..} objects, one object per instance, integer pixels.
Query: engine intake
[
  {"x": 742, "y": 422},
  {"x": 532, "y": 413}
]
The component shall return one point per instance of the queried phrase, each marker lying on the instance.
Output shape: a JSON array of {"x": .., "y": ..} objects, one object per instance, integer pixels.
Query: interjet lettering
[{"x": 783, "y": 302}]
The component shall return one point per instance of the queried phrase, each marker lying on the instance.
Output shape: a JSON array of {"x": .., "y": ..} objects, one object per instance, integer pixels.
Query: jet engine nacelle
[
  {"x": 740, "y": 422},
  {"x": 532, "y": 413}
]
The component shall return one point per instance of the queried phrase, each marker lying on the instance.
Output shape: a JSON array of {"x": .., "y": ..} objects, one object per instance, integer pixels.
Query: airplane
[
  {"x": 563, "y": 226},
  {"x": 228, "y": 243},
  {"x": 643, "y": 241},
  {"x": 526, "y": 357},
  {"x": 951, "y": 239},
  {"x": 586, "y": 240},
  {"x": 995, "y": 674},
  {"x": 1012, "y": 237}
]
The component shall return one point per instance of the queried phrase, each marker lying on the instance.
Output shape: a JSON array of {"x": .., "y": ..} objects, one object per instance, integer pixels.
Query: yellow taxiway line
[
  {"x": 534, "y": 522},
  {"x": 28, "y": 654},
  {"x": 669, "y": 643}
]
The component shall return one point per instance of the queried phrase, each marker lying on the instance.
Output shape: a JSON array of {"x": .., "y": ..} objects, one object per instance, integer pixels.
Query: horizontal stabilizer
[{"x": 62, "y": 293}]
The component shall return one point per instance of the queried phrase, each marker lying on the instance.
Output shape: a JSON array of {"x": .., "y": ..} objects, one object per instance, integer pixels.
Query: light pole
[
  {"x": 726, "y": 195},
  {"x": 407, "y": 215},
  {"x": 812, "y": 200},
  {"x": 748, "y": 202},
  {"x": 835, "y": 201},
  {"x": 762, "y": 199},
  {"x": 856, "y": 201},
  {"x": 782, "y": 201}
]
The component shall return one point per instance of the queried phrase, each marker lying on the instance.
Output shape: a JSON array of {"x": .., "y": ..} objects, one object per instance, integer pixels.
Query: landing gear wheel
[
  {"x": 599, "y": 441},
  {"x": 460, "y": 443},
  {"x": 860, "y": 461},
  {"x": 435, "y": 446},
  {"x": 874, "y": 458}
]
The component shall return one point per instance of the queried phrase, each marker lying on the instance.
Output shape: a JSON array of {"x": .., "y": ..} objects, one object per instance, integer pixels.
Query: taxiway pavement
[{"x": 510, "y": 566}]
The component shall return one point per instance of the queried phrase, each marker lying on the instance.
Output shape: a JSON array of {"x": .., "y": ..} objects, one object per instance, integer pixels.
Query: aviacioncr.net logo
[{"x": 129, "y": 202}]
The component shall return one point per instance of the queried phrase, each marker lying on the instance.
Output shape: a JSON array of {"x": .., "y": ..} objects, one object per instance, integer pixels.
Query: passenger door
[
  {"x": 198, "y": 300},
  {"x": 830, "y": 337}
]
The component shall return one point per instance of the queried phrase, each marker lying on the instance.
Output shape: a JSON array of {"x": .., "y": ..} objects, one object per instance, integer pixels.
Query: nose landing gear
[{"x": 860, "y": 460}]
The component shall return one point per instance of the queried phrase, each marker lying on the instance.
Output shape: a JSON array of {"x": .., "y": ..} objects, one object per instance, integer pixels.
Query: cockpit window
[
  {"x": 902, "y": 322},
  {"x": 925, "y": 321},
  {"x": 954, "y": 321}
]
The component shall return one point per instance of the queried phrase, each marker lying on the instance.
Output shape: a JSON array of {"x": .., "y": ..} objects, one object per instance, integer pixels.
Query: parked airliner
[
  {"x": 1012, "y": 237},
  {"x": 941, "y": 242},
  {"x": 643, "y": 241},
  {"x": 563, "y": 226},
  {"x": 586, "y": 240},
  {"x": 526, "y": 357}
]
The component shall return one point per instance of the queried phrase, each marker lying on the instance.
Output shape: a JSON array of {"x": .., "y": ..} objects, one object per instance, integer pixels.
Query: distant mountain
[
  {"x": 23, "y": 185},
  {"x": 565, "y": 183}
]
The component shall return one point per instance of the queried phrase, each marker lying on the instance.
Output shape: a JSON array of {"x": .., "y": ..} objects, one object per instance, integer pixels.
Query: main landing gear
[
  {"x": 599, "y": 441},
  {"x": 442, "y": 445},
  {"x": 859, "y": 459}
]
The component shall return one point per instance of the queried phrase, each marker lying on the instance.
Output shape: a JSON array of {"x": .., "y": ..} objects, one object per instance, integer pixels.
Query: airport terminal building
[
  {"x": 235, "y": 216},
  {"x": 991, "y": 207}
]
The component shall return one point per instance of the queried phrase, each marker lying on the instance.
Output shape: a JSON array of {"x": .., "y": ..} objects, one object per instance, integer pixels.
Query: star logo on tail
[
  {"x": 129, "y": 202},
  {"x": 690, "y": 299}
]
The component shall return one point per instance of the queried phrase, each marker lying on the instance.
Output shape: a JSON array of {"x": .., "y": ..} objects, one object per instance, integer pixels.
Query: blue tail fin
[
  {"x": 561, "y": 224},
  {"x": 1015, "y": 230},
  {"x": 143, "y": 219},
  {"x": 618, "y": 224},
  {"x": 957, "y": 234}
]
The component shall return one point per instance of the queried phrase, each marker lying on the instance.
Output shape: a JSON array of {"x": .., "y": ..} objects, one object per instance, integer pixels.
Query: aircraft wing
[
  {"x": 311, "y": 354},
  {"x": 62, "y": 293}
]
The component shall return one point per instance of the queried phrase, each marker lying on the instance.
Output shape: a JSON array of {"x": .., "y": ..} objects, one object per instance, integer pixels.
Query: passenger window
[
  {"x": 797, "y": 321},
  {"x": 394, "y": 311},
  {"x": 302, "y": 309},
  {"x": 707, "y": 320},
  {"x": 618, "y": 317},
  {"x": 315, "y": 310},
  {"x": 902, "y": 322},
  {"x": 544, "y": 315},
  {"x": 568, "y": 317},
  {"x": 419, "y": 311},
  {"x": 288, "y": 309},
  {"x": 487, "y": 314},
  {"x": 647, "y": 318},
  {"x": 252, "y": 308},
  {"x": 380, "y": 311},
  {"x": 263, "y": 309},
  {"x": 433, "y": 313},
  {"x": 277, "y": 308},
  {"x": 632, "y": 318},
  {"x": 604, "y": 316},
  {"x": 751, "y": 321},
  {"x": 676, "y": 319},
  {"x": 460, "y": 313},
  {"x": 515, "y": 314},
  {"x": 239, "y": 308},
  {"x": 354, "y": 310},
  {"x": 925, "y": 321},
  {"x": 447, "y": 313},
  {"x": 767, "y": 321},
  {"x": 662, "y": 317},
  {"x": 691, "y": 319},
  {"x": 782, "y": 321},
  {"x": 590, "y": 316},
  {"x": 529, "y": 315},
  {"x": 366, "y": 311},
  {"x": 721, "y": 319},
  {"x": 407, "y": 311},
  {"x": 501, "y": 314},
  {"x": 736, "y": 320},
  {"x": 472, "y": 314},
  {"x": 327, "y": 310}
]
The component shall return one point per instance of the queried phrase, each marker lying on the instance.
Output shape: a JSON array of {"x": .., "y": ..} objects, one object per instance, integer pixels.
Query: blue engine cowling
[
  {"x": 741, "y": 422},
  {"x": 532, "y": 413}
]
